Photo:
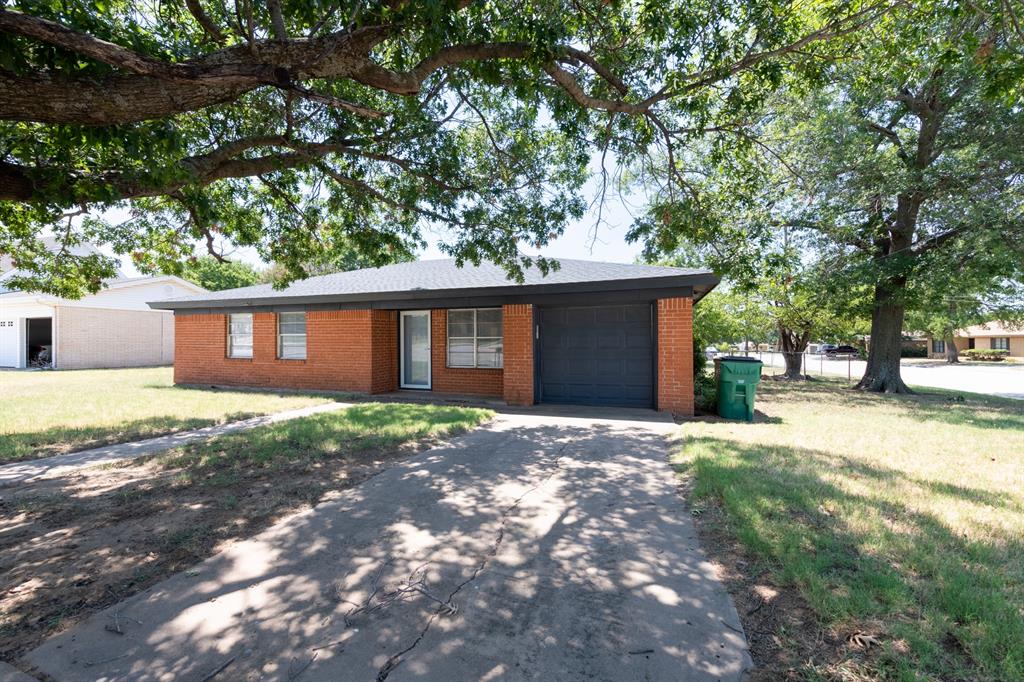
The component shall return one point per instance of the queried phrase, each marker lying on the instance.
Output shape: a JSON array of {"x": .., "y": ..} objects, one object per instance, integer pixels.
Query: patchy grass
[
  {"x": 76, "y": 544},
  {"x": 362, "y": 427},
  {"x": 49, "y": 413},
  {"x": 876, "y": 537}
]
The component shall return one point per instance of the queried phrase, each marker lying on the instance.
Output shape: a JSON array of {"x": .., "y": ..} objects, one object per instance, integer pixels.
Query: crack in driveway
[
  {"x": 582, "y": 510},
  {"x": 447, "y": 607}
]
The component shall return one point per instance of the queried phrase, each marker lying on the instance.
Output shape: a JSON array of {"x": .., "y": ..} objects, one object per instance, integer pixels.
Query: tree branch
[
  {"x": 59, "y": 35},
  {"x": 204, "y": 19},
  {"x": 152, "y": 88},
  {"x": 277, "y": 20}
]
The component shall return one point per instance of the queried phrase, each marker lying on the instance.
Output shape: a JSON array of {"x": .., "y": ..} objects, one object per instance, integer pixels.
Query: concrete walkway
[
  {"x": 541, "y": 546},
  {"x": 58, "y": 465}
]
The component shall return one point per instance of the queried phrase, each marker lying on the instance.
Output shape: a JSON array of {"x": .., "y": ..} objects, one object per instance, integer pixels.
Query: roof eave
[{"x": 702, "y": 282}]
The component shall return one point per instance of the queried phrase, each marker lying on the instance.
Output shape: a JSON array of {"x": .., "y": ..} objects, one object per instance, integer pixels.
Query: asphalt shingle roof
[{"x": 440, "y": 275}]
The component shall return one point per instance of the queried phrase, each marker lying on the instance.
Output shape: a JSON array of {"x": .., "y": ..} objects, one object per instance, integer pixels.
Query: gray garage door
[{"x": 597, "y": 355}]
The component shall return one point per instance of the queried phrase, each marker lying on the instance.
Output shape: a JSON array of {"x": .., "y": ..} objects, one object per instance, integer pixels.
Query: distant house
[
  {"x": 113, "y": 328},
  {"x": 995, "y": 335}
]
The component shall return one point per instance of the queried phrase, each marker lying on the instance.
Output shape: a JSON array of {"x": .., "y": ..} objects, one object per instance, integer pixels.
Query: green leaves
[
  {"x": 902, "y": 163},
  {"x": 491, "y": 153}
]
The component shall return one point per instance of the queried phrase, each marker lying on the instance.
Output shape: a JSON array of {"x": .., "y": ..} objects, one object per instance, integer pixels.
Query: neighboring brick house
[
  {"x": 587, "y": 333},
  {"x": 111, "y": 328}
]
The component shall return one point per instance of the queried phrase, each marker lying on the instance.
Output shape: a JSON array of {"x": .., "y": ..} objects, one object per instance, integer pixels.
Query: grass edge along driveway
[
  {"x": 56, "y": 412},
  {"x": 897, "y": 522},
  {"x": 82, "y": 542}
]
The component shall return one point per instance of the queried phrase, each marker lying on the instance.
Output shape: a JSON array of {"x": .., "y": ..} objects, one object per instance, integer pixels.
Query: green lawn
[
  {"x": 902, "y": 517},
  {"x": 368, "y": 426},
  {"x": 46, "y": 413}
]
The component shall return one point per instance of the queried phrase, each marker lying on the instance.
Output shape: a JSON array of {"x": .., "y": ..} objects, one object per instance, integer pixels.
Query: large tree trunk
[
  {"x": 883, "y": 371},
  {"x": 793, "y": 343},
  {"x": 952, "y": 354}
]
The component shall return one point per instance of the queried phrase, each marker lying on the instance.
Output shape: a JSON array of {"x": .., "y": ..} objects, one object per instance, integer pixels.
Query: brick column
[
  {"x": 518, "y": 350},
  {"x": 675, "y": 355},
  {"x": 264, "y": 337},
  {"x": 384, "y": 351}
]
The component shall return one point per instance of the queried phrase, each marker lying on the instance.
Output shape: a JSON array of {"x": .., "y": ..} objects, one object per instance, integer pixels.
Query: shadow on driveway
[{"x": 542, "y": 546}]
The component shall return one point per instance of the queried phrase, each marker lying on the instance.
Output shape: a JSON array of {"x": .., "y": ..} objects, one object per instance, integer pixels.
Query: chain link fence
[{"x": 811, "y": 364}]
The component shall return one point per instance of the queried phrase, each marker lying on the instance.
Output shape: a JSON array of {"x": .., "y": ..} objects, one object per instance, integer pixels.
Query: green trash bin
[{"x": 736, "y": 379}]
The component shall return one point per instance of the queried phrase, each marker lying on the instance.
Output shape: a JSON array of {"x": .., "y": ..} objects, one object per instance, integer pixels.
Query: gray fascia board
[{"x": 411, "y": 296}]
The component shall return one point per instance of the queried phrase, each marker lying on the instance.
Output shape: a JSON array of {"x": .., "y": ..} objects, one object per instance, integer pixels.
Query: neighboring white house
[{"x": 112, "y": 328}]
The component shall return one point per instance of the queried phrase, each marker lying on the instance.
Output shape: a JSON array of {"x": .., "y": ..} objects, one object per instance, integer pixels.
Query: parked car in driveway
[{"x": 836, "y": 351}]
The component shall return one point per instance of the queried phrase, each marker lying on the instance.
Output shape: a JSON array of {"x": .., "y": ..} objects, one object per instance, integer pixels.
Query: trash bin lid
[{"x": 737, "y": 358}]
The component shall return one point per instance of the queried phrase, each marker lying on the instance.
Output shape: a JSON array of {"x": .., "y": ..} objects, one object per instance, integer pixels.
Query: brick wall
[
  {"x": 384, "y": 333},
  {"x": 343, "y": 348},
  {"x": 444, "y": 379},
  {"x": 357, "y": 350},
  {"x": 102, "y": 337},
  {"x": 518, "y": 348},
  {"x": 675, "y": 355}
]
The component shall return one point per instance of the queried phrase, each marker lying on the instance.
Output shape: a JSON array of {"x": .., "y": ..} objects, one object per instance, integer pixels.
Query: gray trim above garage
[
  {"x": 445, "y": 285},
  {"x": 462, "y": 300}
]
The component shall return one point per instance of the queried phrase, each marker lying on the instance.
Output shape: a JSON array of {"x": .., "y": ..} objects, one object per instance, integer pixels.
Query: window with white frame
[
  {"x": 291, "y": 336},
  {"x": 938, "y": 346},
  {"x": 240, "y": 335},
  {"x": 1000, "y": 343},
  {"x": 475, "y": 337}
]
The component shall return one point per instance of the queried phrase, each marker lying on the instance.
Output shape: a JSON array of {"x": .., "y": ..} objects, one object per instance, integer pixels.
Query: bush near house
[{"x": 989, "y": 354}]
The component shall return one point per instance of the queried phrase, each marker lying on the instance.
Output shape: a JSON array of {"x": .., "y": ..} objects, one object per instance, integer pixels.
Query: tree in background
[
  {"x": 722, "y": 316},
  {"x": 976, "y": 295},
  {"x": 900, "y": 168},
  {"x": 215, "y": 275},
  {"x": 299, "y": 128},
  {"x": 767, "y": 293}
]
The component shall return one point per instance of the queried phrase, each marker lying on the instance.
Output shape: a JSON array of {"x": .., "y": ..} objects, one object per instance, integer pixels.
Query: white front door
[{"x": 414, "y": 353}]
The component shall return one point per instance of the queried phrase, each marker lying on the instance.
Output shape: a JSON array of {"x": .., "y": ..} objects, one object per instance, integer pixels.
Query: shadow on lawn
[
  {"x": 59, "y": 440},
  {"x": 948, "y": 407},
  {"x": 946, "y": 603},
  {"x": 609, "y": 550},
  {"x": 76, "y": 543}
]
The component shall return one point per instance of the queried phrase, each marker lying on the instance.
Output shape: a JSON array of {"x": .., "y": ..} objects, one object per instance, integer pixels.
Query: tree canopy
[
  {"x": 295, "y": 126},
  {"x": 211, "y": 274},
  {"x": 899, "y": 165}
]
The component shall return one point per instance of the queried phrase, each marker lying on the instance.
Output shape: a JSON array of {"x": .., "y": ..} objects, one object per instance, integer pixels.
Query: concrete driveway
[{"x": 548, "y": 546}]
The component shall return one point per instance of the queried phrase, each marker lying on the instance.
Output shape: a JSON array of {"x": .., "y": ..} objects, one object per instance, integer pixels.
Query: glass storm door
[{"x": 415, "y": 350}]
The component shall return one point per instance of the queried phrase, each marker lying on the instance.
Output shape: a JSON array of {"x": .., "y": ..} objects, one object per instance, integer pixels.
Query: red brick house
[{"x": 588, "y": 333}]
